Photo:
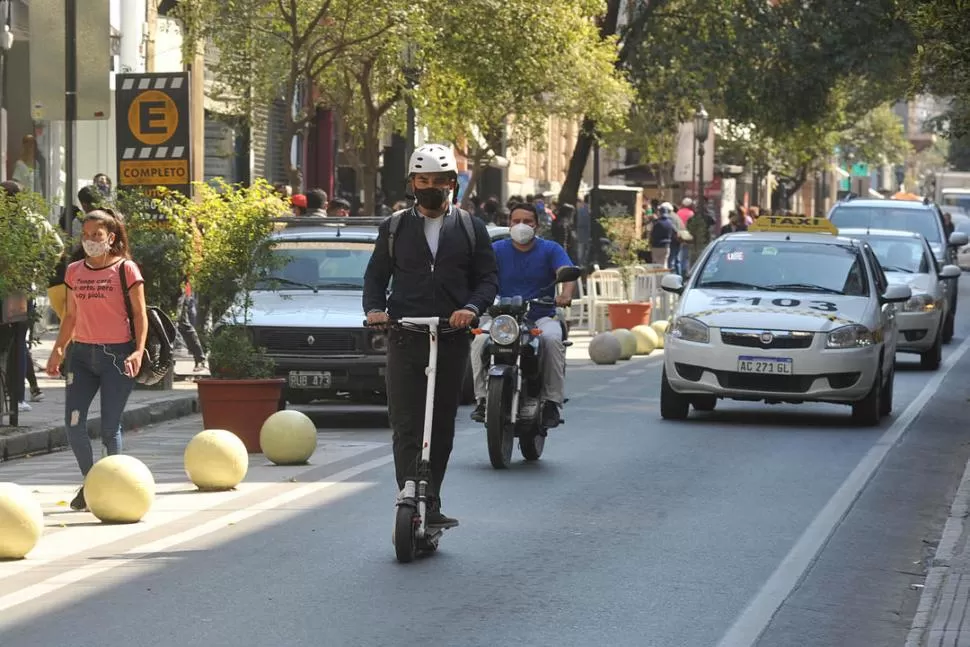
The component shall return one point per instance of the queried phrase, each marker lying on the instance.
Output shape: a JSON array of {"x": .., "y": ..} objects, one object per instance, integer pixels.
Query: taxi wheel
[
  {"x": 948, "y": 328},
  {"x": 930, "y": 360},
  {"x": 703, "y": 402},
  {"x": 886, "y": 401},
  {"x": 673, "y": 405},
  {"x": 867, "y": 411}
]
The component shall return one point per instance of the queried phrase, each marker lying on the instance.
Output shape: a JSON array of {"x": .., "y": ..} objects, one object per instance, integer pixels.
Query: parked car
[
  {"x": 906, "y": 259},
  {"x": 309, "y": 317},
  {"x": 922, "y": 217}
]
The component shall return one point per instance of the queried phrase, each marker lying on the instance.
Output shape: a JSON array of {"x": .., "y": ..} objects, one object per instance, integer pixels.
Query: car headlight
[
  {"x": 504, "y": 330},
  {"x": 690, "y": 329},
  {"x": 378, "y": 342},
  {"x": 920, "y": 303},
  {"x": 854, "y": 336}
]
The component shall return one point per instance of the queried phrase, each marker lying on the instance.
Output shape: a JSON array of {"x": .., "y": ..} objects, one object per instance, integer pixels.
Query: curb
[
  {"x": 946, "y": 550},
  {"x": 29, "y": 441}
]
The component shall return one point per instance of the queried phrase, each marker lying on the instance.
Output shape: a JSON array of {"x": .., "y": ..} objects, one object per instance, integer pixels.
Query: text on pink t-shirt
[{"x": 101, "y": 314}]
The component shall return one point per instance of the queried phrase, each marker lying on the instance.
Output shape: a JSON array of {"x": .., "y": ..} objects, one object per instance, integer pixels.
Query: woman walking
[{"x": 106, "y": 348}]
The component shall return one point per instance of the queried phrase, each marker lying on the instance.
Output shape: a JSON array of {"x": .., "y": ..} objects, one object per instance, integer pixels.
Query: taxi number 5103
[{"x": 824, "y": 306}]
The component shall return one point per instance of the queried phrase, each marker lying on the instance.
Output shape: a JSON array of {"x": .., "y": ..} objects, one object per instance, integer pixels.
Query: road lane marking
[
  {"x": 756, "y": 617},
  {"x": 67, "y": 578}
]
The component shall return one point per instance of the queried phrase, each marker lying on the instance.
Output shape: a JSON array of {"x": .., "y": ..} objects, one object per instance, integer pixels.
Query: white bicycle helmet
[{"x": 432, "y": 158}]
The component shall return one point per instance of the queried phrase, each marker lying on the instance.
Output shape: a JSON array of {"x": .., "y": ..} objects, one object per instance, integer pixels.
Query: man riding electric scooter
[
  {"x": 442, "y": 265},
  {"x": 527, "y": 268}
]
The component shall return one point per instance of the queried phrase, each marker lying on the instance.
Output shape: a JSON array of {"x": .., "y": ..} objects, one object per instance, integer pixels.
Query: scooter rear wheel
[
  {"x": 405, "y": 541},
  {"x": 499, "y": 430}
]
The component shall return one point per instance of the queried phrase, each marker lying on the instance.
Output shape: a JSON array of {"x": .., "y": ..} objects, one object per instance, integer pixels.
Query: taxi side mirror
[
  {"x": 672, "y": 283},
  {"x": 950, "y": 272},
  {"x": 897, "y": 294},
  {"x": 959, "y": 239}
]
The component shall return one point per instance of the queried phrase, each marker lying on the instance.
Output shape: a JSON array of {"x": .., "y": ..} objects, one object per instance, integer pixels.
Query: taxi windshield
[
  {"x": 826, "y": 268},
  {"x": 919, "y": 221},
  {"x": 895, "y": 254}
]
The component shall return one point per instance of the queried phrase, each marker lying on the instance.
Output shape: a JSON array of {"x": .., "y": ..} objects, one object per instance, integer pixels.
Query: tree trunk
[
  {"x": 477, "y": 160},
  {"x": 577, "y": 163},
  {"x": 369, "y": 167}
]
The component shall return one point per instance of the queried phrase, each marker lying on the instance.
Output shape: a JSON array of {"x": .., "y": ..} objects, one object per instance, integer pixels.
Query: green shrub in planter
[
  {"x": 29, "y": 246},
  {"x": 233, "y": 356}
]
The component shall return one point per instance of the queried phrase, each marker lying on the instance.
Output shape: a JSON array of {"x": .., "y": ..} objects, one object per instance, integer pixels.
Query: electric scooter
[{"x": 412, "y": 535}]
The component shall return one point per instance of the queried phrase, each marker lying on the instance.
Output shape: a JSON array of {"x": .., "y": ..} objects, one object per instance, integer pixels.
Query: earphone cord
[{"x": 114, "y": 360}]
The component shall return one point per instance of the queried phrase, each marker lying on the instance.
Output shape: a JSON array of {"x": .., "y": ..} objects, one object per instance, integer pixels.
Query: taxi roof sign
[{"x": 794, "y": 225}]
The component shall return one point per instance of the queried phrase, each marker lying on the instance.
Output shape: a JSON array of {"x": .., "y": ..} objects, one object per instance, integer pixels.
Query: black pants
[
  {"x": 187, "y": 330},
  {"x": 407, "y": 358}
]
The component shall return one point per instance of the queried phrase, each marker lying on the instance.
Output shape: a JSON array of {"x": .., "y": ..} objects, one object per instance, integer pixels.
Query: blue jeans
[{"x": 90, "y": 368}]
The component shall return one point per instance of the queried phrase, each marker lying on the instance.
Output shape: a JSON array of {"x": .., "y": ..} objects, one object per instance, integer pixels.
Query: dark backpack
[
  {"x": 465, "y": 220},
  {"x": 159, "y": 355}
]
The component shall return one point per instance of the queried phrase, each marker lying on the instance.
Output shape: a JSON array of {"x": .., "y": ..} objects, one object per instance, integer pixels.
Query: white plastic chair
[{"x": 605, "y": 287}]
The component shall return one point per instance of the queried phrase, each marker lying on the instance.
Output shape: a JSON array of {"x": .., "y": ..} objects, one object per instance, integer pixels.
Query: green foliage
[
  {"x": 233, "y": 356},
  {"x": 626, "y": 246},
  {"x": 161, "y": 250},
  {"x": 230, "y": 228},
  {"x": 516, "y": 63},
  {"x": 877, "y": 138},
  {"x": 29, "y": 245},
  {"x": 270, "y": 50}
]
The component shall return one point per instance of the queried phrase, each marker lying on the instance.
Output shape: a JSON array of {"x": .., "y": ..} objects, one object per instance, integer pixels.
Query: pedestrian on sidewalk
[
  {"x": 102, "y": 356},
  {"x": 186, "y": 325}
]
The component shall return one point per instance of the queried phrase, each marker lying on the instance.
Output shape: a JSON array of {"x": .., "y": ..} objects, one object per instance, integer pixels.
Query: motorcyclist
[
  {"x": 527, "y": 267},
  {"x": 438, "y": 268}
]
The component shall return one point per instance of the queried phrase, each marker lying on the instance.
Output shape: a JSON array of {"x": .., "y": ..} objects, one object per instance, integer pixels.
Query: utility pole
[
  {"x": 196, "y": 68},
  {"x": 151, "y": 28},
  {"x": 70, "y": 104}
]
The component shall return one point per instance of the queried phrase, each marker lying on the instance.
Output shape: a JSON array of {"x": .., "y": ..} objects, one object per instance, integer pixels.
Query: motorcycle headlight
[
  {"x": 920, "y": 303},
  {"x": 854, "y": 336},
  {"x": 690, "y": 329},
  {"x": 504, "y": 330}
]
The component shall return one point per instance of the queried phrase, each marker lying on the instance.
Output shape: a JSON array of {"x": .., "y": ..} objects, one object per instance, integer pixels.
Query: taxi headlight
[
  {"x": 504, "y": 330},
  {"x": 690, "y": 329},
  {"x": 920, "y": 303},
  {"x": 854, "y": 336}
]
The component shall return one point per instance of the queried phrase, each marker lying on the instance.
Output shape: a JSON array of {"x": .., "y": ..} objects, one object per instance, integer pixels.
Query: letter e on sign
[{"x": 153, "y": 117}]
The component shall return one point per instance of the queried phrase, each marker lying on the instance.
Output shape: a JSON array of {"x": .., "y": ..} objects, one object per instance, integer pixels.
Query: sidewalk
[{"x": 42, "y": 429}]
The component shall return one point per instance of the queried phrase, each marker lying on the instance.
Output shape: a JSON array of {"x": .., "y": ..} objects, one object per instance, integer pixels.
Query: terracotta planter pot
[
  {"x": 239, "y": 406},
  {"x": 629, "y": 315}
]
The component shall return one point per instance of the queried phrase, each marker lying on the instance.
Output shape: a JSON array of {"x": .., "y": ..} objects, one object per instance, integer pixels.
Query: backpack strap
[
  {"x": 122, "y": 274},
  {"x": 465, "y": 220}
]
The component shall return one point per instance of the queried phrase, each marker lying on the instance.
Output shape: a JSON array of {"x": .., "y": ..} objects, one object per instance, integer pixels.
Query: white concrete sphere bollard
[
  {"x": 216, "y": 459},
  {"x": 647, "y": 339},
  {"x": 605, "y": 348},
  {"x": 661, "y": 328},
  {"x": 628, "y": 342},
  {"x": 119, "y": 489},
  {"x": 21, "y": 521},
  {"x": 288, "y": 437}
]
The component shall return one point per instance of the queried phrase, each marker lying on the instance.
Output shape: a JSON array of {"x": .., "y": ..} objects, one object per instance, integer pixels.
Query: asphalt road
[{"x": 779, "y": 526}]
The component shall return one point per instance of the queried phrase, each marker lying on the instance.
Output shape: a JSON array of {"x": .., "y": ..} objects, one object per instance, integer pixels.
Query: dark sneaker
[
  {"x": 550, "y": 415},
  {"x": 478, "y": 415},
  {"x": 79, "y": 504},
  {"x": 438, "y": 519}
]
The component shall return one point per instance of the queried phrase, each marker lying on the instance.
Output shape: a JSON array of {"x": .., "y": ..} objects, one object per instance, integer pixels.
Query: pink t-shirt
[{"x": 101, "y": 314}]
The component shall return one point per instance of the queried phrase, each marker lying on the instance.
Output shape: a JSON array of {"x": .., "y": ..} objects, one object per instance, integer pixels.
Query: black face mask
[{"x": 430, "y": 198}]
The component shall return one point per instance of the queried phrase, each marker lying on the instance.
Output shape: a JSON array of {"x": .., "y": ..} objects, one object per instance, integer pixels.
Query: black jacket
[{"x": 424, "y": 286}]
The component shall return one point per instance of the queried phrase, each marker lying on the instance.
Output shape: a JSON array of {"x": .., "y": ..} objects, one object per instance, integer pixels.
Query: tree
[
  {"x": 877, "y": 138},
  {"x": 273, "y": 50},
  {"x": 485, "y": 86}
]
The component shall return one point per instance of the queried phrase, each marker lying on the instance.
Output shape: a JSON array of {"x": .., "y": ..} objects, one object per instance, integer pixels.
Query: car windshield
[
  {"x": 785, "y": 265},
  {"x": 900, "y": 254},
  {"x": 337, "y": 265},
  {"x": 919, "y": 221}
]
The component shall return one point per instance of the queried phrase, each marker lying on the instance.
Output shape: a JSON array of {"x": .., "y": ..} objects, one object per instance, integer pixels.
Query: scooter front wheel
[
  {"x": 499, "y": 430},
  {"x": 405, "y": 539}
]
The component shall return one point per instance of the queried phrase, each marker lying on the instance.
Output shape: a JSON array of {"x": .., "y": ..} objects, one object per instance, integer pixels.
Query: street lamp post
[
  {"x": 701, "y": 126},
  {"x": 411, "y": 76},
  {"x": 6, "y": 42}
]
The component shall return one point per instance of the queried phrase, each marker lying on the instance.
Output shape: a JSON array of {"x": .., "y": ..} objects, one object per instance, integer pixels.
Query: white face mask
[
  {"x": 96, "y": 247},
  {"x": 522, "y": 233}
]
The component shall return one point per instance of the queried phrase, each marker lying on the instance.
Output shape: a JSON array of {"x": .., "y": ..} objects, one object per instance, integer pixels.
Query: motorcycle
[{"x": 513, "y": 408}]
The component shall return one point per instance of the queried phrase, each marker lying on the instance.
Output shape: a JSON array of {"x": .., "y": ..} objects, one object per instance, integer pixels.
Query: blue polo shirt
[{"x": 525, "y": 274}]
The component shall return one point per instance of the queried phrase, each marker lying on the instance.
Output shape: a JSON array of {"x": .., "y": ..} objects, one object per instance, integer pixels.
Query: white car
[
  {"x": 907, "y": 259},
  {"x": 786, "y": 312}
]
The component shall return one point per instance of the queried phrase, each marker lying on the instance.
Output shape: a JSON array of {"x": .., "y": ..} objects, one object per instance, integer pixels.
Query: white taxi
[
  {"x": 907, "y": 258},
  {"x": 788, "y": 311}
]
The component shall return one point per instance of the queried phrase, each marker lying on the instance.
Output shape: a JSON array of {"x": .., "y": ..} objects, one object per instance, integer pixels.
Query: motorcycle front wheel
[{"x": 499, "y": 430}]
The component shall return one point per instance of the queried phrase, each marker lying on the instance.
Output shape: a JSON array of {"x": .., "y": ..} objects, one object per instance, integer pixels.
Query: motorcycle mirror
[{"x": 568, "y": 274}]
